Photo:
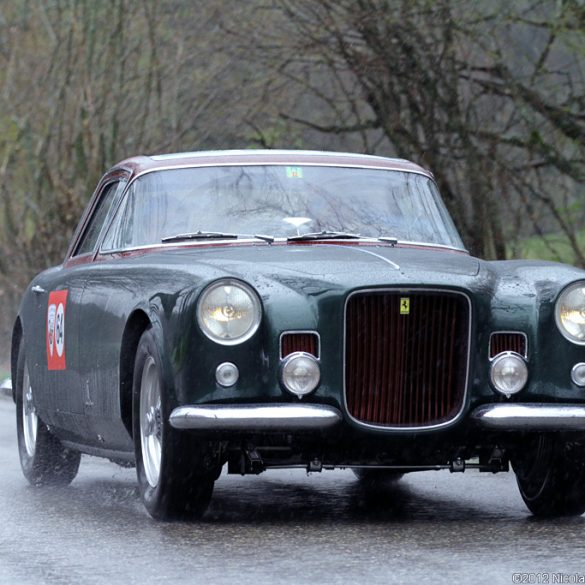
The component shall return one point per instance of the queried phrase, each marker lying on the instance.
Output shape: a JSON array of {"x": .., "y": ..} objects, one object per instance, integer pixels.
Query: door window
[{"x": 100, "y": 217}]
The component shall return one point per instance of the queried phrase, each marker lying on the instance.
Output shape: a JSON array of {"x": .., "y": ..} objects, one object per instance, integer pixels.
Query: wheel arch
[
  {"x": 136, "y": 325},
  {"x": 17, "y": 335}
]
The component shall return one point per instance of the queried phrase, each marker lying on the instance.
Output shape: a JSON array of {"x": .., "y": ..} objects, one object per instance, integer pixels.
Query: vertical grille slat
[
  {"x": 406, "y": 368},
  {"x": 294, "y": 341},
  {"x": 507, "y": 341},
  {"x": 448, "y": 396}
]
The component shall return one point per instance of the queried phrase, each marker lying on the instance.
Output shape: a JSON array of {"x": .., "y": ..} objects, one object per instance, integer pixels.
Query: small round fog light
[
  {"x": 300, "y": 373},
  {"x": 227, "y": 374},
  {"x": 509, "y": 373},
  {"x": 578, "y": 374}
]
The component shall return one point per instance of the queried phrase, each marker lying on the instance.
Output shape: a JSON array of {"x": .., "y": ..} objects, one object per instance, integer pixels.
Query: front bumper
[
  {"x": 289, "y": 418},
  {"x": 530, "y": 417},
  {"x": 292, "y": 418}
]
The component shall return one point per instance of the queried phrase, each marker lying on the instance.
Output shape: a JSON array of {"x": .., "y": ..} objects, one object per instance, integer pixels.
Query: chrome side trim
[
  {"x": 530, "y": 417},
  {"x": 256, "y": 417}
]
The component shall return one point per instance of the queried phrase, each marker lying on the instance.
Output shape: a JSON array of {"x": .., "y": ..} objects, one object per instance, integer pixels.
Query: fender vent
[
  {"x": 306, "y": 341},
  {"x": 508, "y": 341}
]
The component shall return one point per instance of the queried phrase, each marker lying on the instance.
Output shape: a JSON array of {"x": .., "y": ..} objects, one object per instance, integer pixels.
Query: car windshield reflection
[{"x": 309, "y": 202}]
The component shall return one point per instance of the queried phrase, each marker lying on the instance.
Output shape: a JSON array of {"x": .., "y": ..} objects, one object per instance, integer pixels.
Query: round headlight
[
  {"x": 300, "y": 373},
  {"x": 509, "y": 373},
  {"x": 570, "y": 313},
  {"x": 229, "y": 312}
]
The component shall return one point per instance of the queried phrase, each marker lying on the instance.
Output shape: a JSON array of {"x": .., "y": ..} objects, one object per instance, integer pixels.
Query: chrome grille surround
[{"x": 465, "y": 374}]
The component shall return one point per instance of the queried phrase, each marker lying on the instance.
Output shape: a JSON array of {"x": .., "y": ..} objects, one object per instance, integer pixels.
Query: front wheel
[
  {"x": 175, "y": 478},
  {"x": 43, "y": 458},
  {"x": 550, "y": 477}
]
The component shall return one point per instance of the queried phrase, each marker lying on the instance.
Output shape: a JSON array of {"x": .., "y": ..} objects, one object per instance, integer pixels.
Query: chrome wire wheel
[
  {"x": 43, "y": 458},
  {"x": 29, "y": 415},
  {"x": 151, "y": 421}
]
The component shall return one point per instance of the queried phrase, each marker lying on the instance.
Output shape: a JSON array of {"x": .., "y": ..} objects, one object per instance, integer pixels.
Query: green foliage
[
  {"x": 489, "y": 95},
  {"x": 555, "y": 247}
]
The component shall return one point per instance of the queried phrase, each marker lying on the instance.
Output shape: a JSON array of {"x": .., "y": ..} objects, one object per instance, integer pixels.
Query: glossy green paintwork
[{"x": 301, "y": 287}]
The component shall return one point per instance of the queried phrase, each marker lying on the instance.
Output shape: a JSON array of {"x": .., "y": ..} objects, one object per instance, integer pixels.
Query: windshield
[{"x": 282, "y": 201}]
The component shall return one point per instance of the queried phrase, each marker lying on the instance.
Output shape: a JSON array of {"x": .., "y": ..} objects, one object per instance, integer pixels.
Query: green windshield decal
[{"x": 294, "y": 172}]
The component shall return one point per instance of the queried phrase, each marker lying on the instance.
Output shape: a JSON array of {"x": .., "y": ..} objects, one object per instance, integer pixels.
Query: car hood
[{"x": 325, "y": 265}]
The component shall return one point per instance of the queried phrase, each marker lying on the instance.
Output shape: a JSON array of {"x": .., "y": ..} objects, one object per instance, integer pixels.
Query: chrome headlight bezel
[
  {"x": 256, "y": 307},
  {"x": 559, "y": 305},
  {"x": 289, "y": 362},
  {"x": 522, "y": 371}
]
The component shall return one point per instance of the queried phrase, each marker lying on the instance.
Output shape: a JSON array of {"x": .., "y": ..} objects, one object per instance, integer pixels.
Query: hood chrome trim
[{"x": 380, "y": 257}]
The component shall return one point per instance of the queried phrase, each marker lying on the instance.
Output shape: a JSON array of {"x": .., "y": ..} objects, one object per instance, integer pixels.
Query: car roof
[{"x": 138, "y": 165}]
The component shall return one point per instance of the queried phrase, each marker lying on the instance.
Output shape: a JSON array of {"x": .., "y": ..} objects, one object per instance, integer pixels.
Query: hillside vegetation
[{"x": 489, "y": 95}]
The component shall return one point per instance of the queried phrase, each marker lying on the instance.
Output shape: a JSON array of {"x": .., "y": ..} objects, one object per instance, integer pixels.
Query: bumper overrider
[{"x": 317, "y": 417}]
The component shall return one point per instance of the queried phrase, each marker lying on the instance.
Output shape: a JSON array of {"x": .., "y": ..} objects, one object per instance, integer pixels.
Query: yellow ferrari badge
[{"x": 405, "y": 306}]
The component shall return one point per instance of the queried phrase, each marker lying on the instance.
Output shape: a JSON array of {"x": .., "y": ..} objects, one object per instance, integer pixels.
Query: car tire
[
  {"x": 551, "y": 482},
  {"x": 377, "y": 476},
  {"x": 175, "y": 478},
  {"x": 44, "y": 460}
]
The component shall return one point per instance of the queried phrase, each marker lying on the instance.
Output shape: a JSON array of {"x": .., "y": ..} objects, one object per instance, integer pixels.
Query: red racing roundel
[{"x": 56, "y": 330}]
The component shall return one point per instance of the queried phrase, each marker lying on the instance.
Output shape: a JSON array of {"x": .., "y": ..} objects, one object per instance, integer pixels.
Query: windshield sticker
[
  {"x": 294, "y": 172},
  {"x": 56, "y": 330}
]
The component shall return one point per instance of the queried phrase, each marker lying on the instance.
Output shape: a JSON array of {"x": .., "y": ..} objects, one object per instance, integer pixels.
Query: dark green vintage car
[{"x": 295, "y": 309}]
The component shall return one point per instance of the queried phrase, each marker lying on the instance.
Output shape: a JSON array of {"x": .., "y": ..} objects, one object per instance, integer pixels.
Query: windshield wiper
[
  {"x": 324, "y": 235},
  {"x": 269, "y": 239},
  {"x": 199, "y": 236},
  {"x": 389, "y": 239}
]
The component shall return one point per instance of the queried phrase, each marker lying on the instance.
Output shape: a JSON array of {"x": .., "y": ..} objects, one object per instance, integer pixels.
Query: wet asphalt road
[{"x": 280, "y": 527}]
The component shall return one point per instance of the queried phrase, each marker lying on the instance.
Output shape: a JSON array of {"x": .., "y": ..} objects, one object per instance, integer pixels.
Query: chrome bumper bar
[
  {"x": 530, "y": 417},
  {"x": 256, "y": 417}
]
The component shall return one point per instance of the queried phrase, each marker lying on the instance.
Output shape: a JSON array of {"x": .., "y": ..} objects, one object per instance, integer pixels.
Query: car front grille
[{"x": 406, "y": 357}]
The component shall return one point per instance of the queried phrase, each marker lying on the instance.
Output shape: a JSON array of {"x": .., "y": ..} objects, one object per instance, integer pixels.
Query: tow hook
[
  {"x": 457, "y": 465},
  {"x": 316, "y": 465},
  {"x": 497, "y": 461},
  {"x": 246, "y": 461}
]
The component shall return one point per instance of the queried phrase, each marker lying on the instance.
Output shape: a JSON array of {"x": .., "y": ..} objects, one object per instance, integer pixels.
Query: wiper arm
[
  {"x": 269, "y": 239},
  {"x": 324, "y": 235},
  {"x": 199, "y": 236},
  {"x": 389, "y": 239}
]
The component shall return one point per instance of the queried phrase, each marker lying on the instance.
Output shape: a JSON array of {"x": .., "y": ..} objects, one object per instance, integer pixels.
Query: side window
[
  {"x": 118, "y": 232},
  {"x": 100, "y": 217},
  {"x": 138, "y": 220}
]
